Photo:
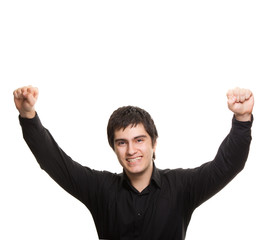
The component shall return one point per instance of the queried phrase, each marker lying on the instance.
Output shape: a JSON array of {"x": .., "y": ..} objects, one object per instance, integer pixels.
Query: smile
[{"x": 131, "y": 160}]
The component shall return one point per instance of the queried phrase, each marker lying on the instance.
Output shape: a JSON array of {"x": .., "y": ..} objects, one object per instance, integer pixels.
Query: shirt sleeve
[
  {"x": 205, "y": 181},
  {"x": 79, "y": 181}
]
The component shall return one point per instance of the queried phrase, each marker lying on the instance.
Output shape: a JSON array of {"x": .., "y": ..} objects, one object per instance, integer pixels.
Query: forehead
[{"x": 130, "y": 132}]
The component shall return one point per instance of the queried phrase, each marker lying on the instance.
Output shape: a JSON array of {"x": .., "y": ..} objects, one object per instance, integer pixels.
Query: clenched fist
[
  {"x": 25, "y": 99},
  {"x": 241, "y": 102}
]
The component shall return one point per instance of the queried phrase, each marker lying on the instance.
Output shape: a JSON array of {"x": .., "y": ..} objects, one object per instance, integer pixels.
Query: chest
[{"x": 131, "y": 215}]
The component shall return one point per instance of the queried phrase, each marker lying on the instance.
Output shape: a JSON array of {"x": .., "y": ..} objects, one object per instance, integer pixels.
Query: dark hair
[{"x": 130, "y": 115}]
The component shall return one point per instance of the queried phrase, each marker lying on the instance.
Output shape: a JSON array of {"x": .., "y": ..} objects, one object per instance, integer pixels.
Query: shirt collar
[{"x": 156, "y": 177}]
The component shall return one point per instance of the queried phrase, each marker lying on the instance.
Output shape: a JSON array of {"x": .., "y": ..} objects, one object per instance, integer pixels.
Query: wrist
[
  {"x": 243, "y": 117},
  {"x": 28, "y": 115}
]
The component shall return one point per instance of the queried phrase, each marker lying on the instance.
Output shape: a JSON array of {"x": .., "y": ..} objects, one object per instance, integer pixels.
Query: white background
[{"x": 176, "y": 59}]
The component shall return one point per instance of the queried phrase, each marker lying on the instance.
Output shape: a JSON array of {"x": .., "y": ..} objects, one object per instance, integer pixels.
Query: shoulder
[
  {"x": 176, "y": 176},
  {"x": 104, "y": 174},
  {"x": 172, "y": 172}
]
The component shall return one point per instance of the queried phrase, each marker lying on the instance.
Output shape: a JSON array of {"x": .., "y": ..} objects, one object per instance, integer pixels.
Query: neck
[{"x": 142, "y": 180}]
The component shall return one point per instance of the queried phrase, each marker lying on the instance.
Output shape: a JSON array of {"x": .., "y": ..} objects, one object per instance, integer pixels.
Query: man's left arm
[{"x": 211, "y": 177}]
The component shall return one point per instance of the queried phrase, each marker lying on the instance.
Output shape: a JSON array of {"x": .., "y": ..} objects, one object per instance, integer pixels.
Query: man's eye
[
  {"x": 140, "y": 140},
  {"x": 121, "y": 143}
]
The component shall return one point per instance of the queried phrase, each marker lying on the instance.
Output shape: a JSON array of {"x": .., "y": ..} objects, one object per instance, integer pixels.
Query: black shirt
[{"x": 163, "y": 209}]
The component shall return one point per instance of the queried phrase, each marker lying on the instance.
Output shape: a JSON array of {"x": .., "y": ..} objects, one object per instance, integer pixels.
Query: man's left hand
[{"x": 241, "y": 102}]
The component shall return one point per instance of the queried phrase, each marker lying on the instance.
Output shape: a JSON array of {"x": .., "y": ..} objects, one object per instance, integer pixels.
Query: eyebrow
[
  {"x": 123, "y": 139},
  {"x": 140, "y": 136}
]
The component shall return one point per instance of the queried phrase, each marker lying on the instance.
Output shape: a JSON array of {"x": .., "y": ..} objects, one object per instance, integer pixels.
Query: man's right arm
[
  {"x": 69, "y": 174},
  {"x": 79, "y": 181}
]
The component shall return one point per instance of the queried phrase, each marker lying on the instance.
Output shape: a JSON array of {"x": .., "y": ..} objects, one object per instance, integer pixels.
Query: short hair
[{"x": 130, "y": 115}]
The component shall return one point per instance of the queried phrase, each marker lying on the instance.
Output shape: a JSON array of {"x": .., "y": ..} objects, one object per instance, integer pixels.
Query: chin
[{"x": 138, "y": 170}]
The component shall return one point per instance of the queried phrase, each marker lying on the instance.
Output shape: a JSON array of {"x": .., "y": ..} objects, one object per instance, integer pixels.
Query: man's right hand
[{"x": 25, "y": 99}]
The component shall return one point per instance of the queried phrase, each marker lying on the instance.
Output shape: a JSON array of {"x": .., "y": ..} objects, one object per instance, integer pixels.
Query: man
[{"x": 143, "y": 202}]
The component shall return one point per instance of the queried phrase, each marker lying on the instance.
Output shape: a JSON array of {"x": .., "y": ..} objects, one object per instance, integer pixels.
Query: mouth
[{"x": 133, "y": 160}]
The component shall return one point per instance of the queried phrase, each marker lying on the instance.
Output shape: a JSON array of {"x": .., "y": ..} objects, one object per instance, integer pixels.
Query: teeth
[{"x": 133, "y": 159}]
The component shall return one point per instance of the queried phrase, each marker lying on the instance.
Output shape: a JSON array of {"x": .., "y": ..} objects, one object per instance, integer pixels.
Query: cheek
[
  {"x": 148, "y": 151},
  {"x": 120, "y": 159},
  {"x": 120, "y": 154}
]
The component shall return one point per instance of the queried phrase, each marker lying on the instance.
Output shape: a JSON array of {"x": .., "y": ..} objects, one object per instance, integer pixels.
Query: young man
[{"x": 143, "y": 202}]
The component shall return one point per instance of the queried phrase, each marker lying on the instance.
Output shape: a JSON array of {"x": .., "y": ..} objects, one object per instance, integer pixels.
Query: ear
[{"x": 154, "y": 146}]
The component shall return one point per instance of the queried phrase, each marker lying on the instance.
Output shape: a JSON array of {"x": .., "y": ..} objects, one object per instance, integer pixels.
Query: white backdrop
[{"x": 176, "y": 59}]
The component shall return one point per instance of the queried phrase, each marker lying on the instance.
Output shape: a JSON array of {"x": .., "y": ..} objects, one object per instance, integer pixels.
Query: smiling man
[
  {"x": 134, "y": 150},
  {"x": 142, "y": 202}
]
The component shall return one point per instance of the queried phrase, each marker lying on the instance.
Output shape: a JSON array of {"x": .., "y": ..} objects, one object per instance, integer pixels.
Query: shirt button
[{"x": 139, "y": 214}]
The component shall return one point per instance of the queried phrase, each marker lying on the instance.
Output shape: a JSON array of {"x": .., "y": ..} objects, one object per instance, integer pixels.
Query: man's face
[{"x": 134, "y": 149}]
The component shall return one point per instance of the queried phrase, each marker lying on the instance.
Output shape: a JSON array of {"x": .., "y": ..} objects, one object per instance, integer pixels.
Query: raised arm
[
  {"x": 78, "y": 180},
  {"x": 211, "y": 177}
]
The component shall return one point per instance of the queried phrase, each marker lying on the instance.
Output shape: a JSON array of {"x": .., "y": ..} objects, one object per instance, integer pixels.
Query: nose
[{"x": 131, "y": 150}]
